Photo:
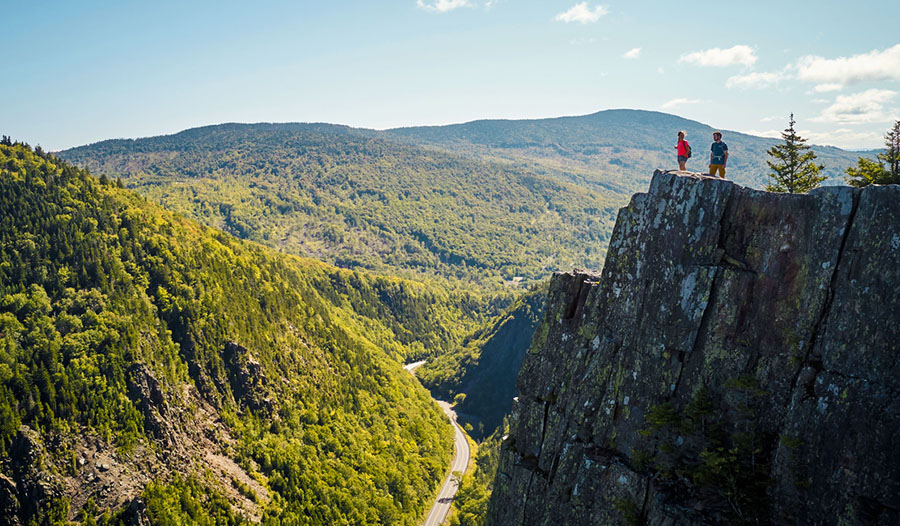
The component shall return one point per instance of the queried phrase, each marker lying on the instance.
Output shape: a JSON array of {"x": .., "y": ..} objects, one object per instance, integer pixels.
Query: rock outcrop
[
  {"x": 248, "y": 381},
  {"x": 736, "y": 362}
]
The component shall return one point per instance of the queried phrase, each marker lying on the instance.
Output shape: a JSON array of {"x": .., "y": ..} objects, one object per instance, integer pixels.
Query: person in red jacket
[{"x": 683, "y": 149}]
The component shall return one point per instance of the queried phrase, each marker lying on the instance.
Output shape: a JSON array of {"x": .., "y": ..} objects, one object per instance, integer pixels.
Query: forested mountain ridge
[
  {"x": 613, "y": 148},
  {"x": 153, "y": 368},
  {"x": 362, "y": 199},
  {"x": 479, "y": 201}
]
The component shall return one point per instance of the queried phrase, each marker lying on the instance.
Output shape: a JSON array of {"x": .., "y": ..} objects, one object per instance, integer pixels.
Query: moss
[
  {"x": 712, "y": 452},
  {"x": 628, "y": 509},
  {"x": 791, "y": 442},
  {"x": 640, "y": 459},
  {"x": 662, "y": 415}
]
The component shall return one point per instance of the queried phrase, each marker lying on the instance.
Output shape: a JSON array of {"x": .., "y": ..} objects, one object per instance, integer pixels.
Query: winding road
[{"x": 441, "y": 506}]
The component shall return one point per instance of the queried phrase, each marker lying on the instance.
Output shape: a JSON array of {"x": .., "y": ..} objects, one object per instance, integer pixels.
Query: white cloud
[
  {"x": 858, "y": 108},
  {"x": 764, "y": 133},
  {"x": 820, "y": 101},
  {"x": 739, "y": 54},
  {"x": 756, "y": 80},
  {"x": 442, "y": 6},
  {"x": 633, "y": 53},
  {"x": 823, "y": 88},
  {"x": 845, "y": 138},
  {"x": 582, "y": 14},
  {"x": 874, "y": 65},
  {"x": 660, "y": 70},
  {"x": 679, "y": 102},
  {"x": 771, "y": 118}
]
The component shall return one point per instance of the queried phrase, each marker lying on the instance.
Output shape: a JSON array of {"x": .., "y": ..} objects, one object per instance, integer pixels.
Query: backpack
[{"x": 687, "y": 149}]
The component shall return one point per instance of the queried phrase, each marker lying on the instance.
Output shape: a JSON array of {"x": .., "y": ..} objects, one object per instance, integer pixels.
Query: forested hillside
[
  {"x": 613, "y": 148},
  {"x": 153, "y": 368},
  {"x": 480, "y": 374},
  {"x": 358, "y": 199}
]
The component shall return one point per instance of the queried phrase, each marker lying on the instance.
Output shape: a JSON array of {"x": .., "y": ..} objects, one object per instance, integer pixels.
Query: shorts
[
  {"x": 682, "y": 159},
  {"x": 717, "y": 167}
]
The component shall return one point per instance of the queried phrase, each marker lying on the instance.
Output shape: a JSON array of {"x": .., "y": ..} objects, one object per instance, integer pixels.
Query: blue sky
[{"x": 79, "y": 72}]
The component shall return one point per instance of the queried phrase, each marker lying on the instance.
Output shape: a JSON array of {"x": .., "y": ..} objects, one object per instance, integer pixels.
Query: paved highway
[{"x": 441, "y": 507}]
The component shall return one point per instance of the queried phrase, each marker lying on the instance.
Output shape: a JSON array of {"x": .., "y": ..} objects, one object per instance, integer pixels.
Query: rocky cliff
[{"x": 735, "y": 362}]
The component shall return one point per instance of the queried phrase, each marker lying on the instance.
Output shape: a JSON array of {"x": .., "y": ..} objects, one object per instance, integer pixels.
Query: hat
[{"x": 717, "y": 132}]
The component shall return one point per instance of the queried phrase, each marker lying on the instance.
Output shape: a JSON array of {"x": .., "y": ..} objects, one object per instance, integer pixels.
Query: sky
[{"x": 77, "y": 72}]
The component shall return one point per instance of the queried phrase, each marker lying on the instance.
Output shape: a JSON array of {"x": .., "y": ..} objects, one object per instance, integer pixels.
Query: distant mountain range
[
  {"x": 483, "y": 201},
  {"x": 363, "y": 200},
  {"x": 615, "y": 147}
]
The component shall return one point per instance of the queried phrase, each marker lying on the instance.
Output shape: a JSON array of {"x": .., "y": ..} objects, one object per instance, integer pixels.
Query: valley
[{"x": 212, "y": 324}]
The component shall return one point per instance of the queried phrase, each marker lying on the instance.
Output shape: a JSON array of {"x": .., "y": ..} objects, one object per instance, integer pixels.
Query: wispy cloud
[
  {"x": 755, "y": 80},
  {"x": 764, "y": 133},
  {"x": 824, "y": 88},
  {"x": 858, "y": 108},
  {"x": 771, "y": 118},
  {"x": 582, "y": 13},
  {"x": 739, "y": 54},
  {"x": 442, "y": 6},
  {"x": 633, "y": 53},
  {"x": 674, "y": 103},
  {"x": 872, "y": 66}
]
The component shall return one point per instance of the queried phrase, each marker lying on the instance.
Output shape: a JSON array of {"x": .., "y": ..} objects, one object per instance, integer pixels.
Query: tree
[
  {"x": 884, "y": 170},
  {"x": 793, "y": 171}
]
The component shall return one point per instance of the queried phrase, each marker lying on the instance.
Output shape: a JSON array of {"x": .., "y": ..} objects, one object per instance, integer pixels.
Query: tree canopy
[
  {"x": 885, "y": 169},
  {"x": 294, "y": 362},
  {"x": 793, "y": 169}
]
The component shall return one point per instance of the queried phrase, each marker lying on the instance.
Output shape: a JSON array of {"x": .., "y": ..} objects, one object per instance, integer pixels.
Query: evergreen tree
[
  {"x": 793, "y": 170},
  {"x": 886, "y": 170}
]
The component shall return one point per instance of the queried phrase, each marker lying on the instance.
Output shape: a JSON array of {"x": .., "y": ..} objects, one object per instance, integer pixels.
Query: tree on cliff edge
[
  {"x": 885, "y": 170},
  {"x": 793, "y": 171}
]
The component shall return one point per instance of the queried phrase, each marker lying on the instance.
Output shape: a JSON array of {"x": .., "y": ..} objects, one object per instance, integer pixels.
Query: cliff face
[{"x": 736, "y": 362}]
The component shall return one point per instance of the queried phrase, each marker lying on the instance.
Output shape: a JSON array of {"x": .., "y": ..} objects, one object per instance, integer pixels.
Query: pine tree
[
  {"x": 793, "y": 170},
  {"x": 885, "y": 170}
]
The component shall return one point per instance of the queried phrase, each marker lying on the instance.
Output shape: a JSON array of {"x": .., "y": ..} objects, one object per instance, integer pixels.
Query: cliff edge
[{"x": 735, "y": 362}]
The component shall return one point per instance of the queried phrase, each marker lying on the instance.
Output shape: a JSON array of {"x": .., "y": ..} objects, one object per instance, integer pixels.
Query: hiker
[
  {"x": 718, "y": 155},
  {"x": 683, "y": 149}
]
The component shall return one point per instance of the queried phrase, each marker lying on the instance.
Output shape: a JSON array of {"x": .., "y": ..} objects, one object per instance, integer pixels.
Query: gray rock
[
  {"x": 735, "y": 339},
  {"x": 145, "y": 391},
  {"x": 36, "y": 486},
  {"x": 9, "y": 503},
  {"x": 247, "y": 379}
]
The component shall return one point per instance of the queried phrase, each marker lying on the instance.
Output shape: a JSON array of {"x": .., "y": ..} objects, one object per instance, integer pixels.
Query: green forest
[
  {"x": 357, "y": 200},
  {"x": 100, "y": 289},
  {"x": 613, "y": 151}
]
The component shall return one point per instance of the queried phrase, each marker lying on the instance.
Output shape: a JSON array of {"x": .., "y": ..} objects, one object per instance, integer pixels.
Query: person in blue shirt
[{"x": 718, "y": 155}]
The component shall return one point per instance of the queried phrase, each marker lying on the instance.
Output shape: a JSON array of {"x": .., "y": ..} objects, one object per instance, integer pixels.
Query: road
[{"x": 441, "y": 506}]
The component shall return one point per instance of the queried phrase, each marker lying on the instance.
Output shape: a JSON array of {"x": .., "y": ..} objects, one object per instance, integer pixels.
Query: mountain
[
  {"x": 483, "y": 201},
  {"x": 472, "y": 203},
  {"x": 154, "y": 369},
  {"x": 358, "y": 199},
  {"x": 612, "y": 149},
  {"x": 734, "y": 363}
]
